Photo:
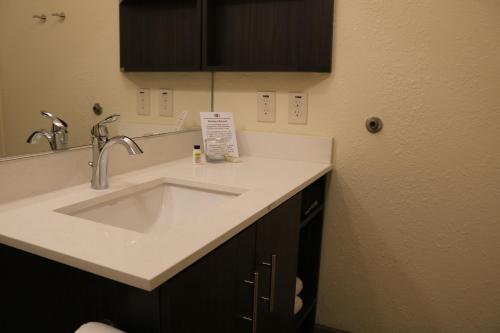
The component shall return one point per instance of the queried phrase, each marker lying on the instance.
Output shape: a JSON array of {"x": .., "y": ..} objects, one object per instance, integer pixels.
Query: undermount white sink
[{"x": 153, "y": 206}]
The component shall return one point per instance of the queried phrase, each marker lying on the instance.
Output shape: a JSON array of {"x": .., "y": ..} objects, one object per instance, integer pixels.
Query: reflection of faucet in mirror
[
  {"x": 57, "y": 138},
  {"x": 100, "y": 151}
]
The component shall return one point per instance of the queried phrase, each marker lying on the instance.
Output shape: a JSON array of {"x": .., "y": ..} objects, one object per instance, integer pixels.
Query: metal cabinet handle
[
  {"x": 271, "y": 298},
  {"x": 41, "y": 17},
  {"x": 61, "y": 15},
  {"x": 311, "y": 207},
  {"x": 255, "y": 310}
]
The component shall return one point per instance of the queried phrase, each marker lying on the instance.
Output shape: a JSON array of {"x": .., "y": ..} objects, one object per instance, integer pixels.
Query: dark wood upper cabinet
[
  {"x": 268, "y": 35},
  {"x": 160, "y": 35},
  {"x": 226, "y": 35}
]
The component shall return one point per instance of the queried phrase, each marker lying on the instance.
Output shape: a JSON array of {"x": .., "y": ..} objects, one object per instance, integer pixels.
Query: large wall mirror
[{"x": 65, "y": 65}]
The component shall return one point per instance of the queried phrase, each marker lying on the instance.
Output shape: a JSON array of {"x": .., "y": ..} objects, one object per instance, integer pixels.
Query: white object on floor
[
  {"x": 298, "y": 286},
  {"x": 298, "y": 305},
  {"x": 97, "y": 328}
]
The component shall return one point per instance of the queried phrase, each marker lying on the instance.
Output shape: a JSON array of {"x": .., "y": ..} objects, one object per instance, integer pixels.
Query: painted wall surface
[
  {"x": 66, "y": 66},
  {"x": 412, "y": 234},
  {"x": 2, "y": 49},
  {"x": 1, "y": 124}
]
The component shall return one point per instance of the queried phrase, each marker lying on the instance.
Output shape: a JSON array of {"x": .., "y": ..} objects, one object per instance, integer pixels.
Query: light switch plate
[
  {"x": 297, "y": 108},
  {"x": 266, "y": 106},
  {"x": 143, "y": 102},
  {"x": 166, "y": 103}
]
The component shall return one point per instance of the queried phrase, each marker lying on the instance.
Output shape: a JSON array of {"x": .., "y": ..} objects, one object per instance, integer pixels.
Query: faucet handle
[
  {"x": 109, "y": 120},
  {"x": 100, "y": 130},
  {"x": 57, "y": 123}
]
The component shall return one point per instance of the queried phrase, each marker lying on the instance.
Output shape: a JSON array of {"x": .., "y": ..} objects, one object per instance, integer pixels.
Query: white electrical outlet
[
  {"x": 143, "y": 102},
  {"x": 266, "y": 106},
  {"x": 297, "y": 108},
  {"x": 166, "y": 104}
]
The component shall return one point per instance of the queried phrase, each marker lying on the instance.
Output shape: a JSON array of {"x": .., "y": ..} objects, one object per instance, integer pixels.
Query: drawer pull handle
[
  {"x": 271, "y": 298},
  {"x": 255, "y": 310},
  {"x": 311, "y": 208}
]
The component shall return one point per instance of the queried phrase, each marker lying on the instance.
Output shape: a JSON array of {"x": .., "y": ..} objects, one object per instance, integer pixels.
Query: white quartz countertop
[{"x": 145, "y": 260}]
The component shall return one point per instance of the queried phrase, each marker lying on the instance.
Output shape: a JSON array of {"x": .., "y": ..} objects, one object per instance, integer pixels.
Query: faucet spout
[
  {"x": 125, "y": 141},
  {"x": 36, "y": 136},
  {"x": 100, "y": 164}
]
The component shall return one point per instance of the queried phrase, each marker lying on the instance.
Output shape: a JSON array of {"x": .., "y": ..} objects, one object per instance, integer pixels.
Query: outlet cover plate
[
  {"x": 297, "y": 108},
  {"x": 143, "y": 102},
  {"x": 266, "y": 106},
  {"x": 166, "y": 103}
]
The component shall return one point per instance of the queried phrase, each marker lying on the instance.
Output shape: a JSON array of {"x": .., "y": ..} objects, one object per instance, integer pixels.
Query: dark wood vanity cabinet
[
  {"x": 277, "y": 245},
  {"x": 226, "y": 35},
  {"x": 218, "y": 293},
  {"x": 212, "y": 295},
  {"x": 245, "y": 285}
]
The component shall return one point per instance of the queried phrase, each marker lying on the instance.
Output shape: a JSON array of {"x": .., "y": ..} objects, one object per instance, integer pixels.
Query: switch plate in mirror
[{"x": 143, "y": 102}]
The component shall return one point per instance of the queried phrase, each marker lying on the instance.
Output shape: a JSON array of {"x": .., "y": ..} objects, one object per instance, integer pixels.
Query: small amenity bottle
[{"x": 197, "y": 154}]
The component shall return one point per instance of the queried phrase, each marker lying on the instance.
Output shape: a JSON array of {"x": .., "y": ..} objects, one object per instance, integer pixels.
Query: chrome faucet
[
  {"x": 101, "y": 146},
  {"x": 57, "y": 138}
]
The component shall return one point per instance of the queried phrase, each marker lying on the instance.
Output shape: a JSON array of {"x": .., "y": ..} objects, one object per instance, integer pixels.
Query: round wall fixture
[
  {"x": 374, "y": 125},
  {"x": 97, "y": 108}
]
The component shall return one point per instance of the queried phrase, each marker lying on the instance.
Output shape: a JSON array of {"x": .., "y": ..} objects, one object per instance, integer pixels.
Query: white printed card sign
[{"x": 220, "y": 125}]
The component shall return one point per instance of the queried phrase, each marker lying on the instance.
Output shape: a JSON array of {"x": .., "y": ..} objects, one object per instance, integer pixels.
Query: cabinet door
[
  {"x": 160, "y": 35},
  {"x": 268, "y": 35},
  {"x": 276, "y": 260},
  {"x": 36, "y": 295},
  {"x": 40, "y": 295},
  {"x": 211, "y": 295}
]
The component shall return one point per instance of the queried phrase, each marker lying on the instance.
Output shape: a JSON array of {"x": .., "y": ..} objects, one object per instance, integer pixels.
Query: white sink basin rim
[{"x": 153, "y": 206}]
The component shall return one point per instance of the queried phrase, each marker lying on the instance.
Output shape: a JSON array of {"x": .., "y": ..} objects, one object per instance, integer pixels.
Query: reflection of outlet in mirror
[
  {"x": 297, "y": 108},
  {"x": 266, "y": 106},
  {"x": 143, "y": 102},
  {"x": 166, "y": 105}
]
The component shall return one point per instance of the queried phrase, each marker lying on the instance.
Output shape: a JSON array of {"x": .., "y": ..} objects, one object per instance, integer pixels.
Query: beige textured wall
[
  {"x": 2, "y": 50},
  {"x": 412, "y": 236},
  {"x": 66, "y": 67},
  {"x": 1, "y": 124}
]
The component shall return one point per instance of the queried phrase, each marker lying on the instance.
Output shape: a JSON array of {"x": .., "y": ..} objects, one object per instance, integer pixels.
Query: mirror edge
[{"x": 47, "y": 153}]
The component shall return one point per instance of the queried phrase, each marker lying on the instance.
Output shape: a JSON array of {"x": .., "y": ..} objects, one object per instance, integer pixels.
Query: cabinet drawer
[{"x": 313, "y": 197}]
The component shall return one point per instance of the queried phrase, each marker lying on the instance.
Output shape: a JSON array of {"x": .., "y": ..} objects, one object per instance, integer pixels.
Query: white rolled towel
[
  {"x": 298, "y": 286},
  {"x": 298, "y": 305},
  {"x": 97, "y": 328}
]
